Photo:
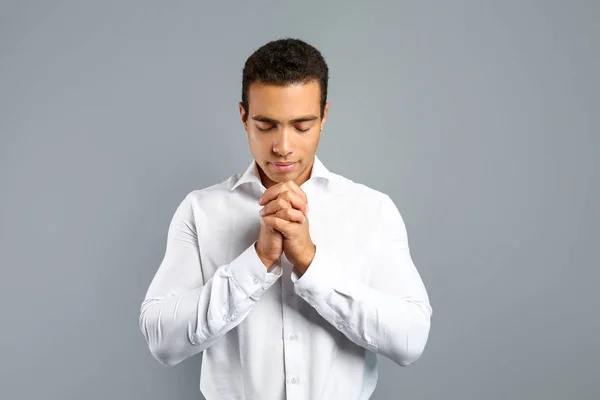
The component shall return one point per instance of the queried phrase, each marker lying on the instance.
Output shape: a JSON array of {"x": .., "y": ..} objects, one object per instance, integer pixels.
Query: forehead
[{"x": 284, "y": 102}]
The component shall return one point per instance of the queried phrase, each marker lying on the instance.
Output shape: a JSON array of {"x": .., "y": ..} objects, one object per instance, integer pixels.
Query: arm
[
  {"x": 182, "y": 314},
  {"x": 390, "y": 314}
]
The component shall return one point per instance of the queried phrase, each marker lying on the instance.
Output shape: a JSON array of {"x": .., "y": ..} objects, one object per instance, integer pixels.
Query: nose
[{"x": 282, "y": 145}]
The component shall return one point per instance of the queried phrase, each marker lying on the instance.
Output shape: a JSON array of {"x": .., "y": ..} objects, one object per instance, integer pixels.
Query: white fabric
[{"x": 267, "y": 334}]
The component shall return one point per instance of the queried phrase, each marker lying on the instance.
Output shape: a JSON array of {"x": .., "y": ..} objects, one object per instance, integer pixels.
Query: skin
[{"x": 283, "y": 124}]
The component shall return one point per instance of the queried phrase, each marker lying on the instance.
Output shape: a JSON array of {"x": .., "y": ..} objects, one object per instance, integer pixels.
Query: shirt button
[
  {"x": 303, "y": 294},
  {"x": 225, "y": 317},
  {"x": 255, "y": 281},
  {"x": 294, "y": 380},
  {"x": 265, "y": 287},
  {"x": 341, "y": 326},
  {"x": 293, "y": 337}
]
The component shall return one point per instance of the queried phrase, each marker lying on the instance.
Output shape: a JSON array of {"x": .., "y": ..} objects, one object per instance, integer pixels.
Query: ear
[
  {"x": 324, "y": 114},
  {"x": 243, "y": 116}
]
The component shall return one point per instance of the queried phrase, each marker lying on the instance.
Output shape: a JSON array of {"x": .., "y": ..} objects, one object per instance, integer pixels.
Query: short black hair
[{"x": 284, "y": 62}]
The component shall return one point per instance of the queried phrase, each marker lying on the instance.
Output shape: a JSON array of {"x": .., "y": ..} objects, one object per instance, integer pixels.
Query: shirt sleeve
[
  {"x": 183, "y": 314},
  {"x": 390, "y": 314}
]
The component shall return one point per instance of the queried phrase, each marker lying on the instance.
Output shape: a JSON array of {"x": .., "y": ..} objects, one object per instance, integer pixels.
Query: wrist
[
  {"x": 305, "y": 263},
  {"x": 266, "y": 261}
]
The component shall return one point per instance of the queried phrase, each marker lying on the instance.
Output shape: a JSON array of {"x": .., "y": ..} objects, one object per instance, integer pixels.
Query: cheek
[
  {"x": 258, "y": 141},
  {"x": 254, "y": 137}
]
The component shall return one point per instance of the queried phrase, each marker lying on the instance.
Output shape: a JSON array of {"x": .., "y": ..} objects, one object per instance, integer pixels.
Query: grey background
[{"x": 479, "y": 119}]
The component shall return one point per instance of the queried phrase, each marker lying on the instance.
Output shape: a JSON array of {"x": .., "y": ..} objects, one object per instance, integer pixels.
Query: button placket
[{"x": 293, "y": 357}]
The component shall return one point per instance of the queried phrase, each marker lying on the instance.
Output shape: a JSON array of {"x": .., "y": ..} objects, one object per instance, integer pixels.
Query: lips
[{"x": 283, "y": 167}]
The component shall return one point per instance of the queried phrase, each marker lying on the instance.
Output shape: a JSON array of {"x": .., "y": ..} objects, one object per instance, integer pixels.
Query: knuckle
[
  {"x": 288, "y": 214},
  {"x": 285, "y": 197},
  {"x": 280, "y": 202}
]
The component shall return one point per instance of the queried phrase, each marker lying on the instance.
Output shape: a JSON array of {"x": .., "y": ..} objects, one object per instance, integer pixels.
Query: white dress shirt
[{"x": 269, "y": 335}]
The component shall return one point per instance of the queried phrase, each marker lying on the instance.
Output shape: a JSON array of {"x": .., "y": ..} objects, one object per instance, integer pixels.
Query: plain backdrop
[{"x": 478, "y": 118}]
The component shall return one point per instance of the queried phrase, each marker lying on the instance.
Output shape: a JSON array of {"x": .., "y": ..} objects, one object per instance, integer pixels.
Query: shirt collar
[{"x": 319, "y": 171}]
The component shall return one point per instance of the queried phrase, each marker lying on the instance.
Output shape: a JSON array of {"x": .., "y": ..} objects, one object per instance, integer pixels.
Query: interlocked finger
[
  {"x": 291, "y": 214},
  {"x": 295, "y": 200},
  {"x": 278, "y": 205}
]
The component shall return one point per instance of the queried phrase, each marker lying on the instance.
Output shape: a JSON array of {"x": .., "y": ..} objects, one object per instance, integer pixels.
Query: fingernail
[{"x": 262, "y": 211}]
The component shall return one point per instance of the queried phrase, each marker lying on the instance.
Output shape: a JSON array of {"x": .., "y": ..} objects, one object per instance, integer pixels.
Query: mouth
[{"x": 283, "y": 167}]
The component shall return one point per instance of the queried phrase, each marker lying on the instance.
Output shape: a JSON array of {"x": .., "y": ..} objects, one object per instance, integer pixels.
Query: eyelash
[{"x": 271, "y": 128}]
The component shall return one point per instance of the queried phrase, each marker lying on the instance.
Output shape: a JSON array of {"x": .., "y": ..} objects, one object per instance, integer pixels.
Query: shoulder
[
  {"x": 356, "y": 191},
  {"x": 360, "y": 199},
  {"x": 210, "y": 194}
]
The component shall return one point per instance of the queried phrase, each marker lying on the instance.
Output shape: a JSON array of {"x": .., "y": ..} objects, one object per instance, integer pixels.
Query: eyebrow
[{"x": 305, "y": 118}]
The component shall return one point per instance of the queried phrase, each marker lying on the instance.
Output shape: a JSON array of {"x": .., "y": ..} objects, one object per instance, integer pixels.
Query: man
[{"x": 289, "y": 278}]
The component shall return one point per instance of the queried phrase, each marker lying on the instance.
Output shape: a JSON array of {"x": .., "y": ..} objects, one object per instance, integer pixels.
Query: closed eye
[{"x": 273, "y": 127}]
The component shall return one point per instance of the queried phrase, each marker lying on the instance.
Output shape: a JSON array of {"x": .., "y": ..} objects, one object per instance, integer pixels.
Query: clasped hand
[{"x": 285, "y": 211}]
